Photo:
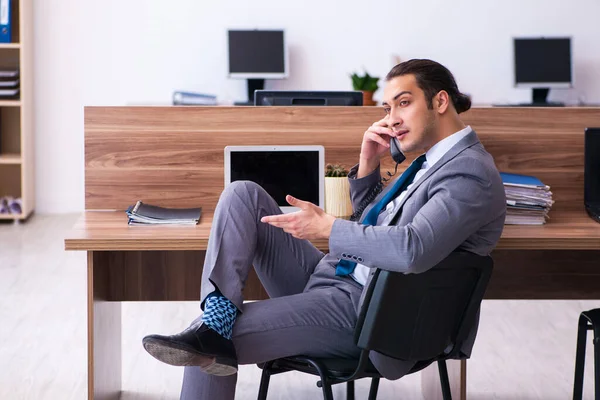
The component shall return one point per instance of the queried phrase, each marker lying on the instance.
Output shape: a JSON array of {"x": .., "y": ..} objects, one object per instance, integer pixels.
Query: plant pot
[
  {"x": 368, "y": 98},
  {"x": 337, "y": 197}
]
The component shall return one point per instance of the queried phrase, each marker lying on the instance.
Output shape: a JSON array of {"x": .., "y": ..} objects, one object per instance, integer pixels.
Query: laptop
[
  {"x": 280, "y": 170},
  {"x": 591, "y": 176}
]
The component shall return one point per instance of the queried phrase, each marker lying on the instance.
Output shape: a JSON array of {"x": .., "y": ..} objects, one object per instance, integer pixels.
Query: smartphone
[{"x": 397, "y": 154}]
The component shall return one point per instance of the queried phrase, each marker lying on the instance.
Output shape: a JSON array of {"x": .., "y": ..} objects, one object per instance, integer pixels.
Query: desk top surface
[{"x": 108, "y": 231}]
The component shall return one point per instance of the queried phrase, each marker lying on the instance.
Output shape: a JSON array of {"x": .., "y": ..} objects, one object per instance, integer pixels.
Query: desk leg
[
  {"x": 104, "y": 332},
  {"x": 457, "y": 374}
]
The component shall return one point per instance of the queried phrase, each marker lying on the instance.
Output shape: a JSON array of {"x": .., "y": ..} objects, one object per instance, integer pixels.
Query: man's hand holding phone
[{"x": 376, "y": 142}]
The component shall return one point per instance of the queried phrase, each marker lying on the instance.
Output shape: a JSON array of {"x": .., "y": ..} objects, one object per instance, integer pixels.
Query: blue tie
[{"x": 345, "y": 267}]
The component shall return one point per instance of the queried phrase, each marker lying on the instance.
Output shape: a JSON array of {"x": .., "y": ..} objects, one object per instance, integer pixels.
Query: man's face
[{"x": 408, "y": 115}]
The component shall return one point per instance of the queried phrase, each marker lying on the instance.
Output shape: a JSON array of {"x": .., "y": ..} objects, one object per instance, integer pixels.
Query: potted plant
[
  {"x": 337, "y": 191},
  {"x": 367, "y": 84}
]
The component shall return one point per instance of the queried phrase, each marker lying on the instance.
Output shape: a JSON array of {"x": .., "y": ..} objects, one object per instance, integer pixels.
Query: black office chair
[
  {"x": 415, "y": 317},
  {"x": 588, "y": 320}
]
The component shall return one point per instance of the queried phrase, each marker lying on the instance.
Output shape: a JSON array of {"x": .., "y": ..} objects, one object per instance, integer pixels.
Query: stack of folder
[
  {"x": 528, "y": 200},
  {"x": 9, "y": 83},
  {"x": 146, "y": 214}
]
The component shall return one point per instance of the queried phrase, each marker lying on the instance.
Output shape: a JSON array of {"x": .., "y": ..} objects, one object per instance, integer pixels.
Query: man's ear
[{"x": 442, "y": 101}]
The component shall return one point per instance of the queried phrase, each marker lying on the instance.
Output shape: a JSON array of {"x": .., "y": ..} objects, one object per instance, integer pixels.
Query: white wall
[{"x": 116, "y": 52}]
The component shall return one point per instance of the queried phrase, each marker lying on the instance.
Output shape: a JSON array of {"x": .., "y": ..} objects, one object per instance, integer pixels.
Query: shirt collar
[{"x": 437, "y": 151}]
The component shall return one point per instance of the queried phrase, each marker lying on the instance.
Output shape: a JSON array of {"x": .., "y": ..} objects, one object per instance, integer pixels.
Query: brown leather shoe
[{"x": 198, "y": 345}]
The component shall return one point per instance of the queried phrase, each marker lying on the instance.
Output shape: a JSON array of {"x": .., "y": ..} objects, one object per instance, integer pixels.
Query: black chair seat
[{"x": 335, "y": 367}]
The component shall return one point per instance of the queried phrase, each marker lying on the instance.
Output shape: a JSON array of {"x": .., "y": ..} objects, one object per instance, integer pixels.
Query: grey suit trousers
[{"x": 310, "y": 310}]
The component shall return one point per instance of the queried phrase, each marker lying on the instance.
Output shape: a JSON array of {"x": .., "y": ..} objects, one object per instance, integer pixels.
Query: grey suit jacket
[{"x": 459, "y": 203}]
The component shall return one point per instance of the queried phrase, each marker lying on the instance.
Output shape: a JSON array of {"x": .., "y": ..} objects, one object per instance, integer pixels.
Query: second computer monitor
[
  {"x": 256, "y": 55},
  {"x": 307, "y": 98},
  {"x": 542, "y": 64}
]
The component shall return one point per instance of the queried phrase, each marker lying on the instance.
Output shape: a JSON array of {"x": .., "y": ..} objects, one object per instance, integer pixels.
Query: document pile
[
  {"x": 528, "y": 200},
  {"x": 146, "y": 214}
]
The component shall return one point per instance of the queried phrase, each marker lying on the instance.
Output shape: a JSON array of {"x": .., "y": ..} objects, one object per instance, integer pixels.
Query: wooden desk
[
  {"x": 173, "y": 156},
  {"x": 150, "y": 263},
  {"x": 108, "y": 231}
]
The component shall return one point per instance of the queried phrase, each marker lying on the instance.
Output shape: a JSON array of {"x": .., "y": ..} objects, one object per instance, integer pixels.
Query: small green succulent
[{"x": 335, "y": 171}]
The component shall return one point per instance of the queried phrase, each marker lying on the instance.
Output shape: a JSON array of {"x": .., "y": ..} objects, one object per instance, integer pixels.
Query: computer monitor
[
  {"x": 257, "y": 55},
  {"x": 542, "y": 64},
  {"x": 307, "y": 98}
]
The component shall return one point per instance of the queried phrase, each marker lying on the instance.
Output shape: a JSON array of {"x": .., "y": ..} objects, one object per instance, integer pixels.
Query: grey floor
[{"x": 525, "y": 349}]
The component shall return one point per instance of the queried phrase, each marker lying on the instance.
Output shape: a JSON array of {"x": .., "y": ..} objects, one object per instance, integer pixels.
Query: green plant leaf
[{"x": 365, "y": 82}]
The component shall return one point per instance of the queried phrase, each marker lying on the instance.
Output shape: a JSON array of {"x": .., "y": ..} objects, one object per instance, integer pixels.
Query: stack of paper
[
  {"x": 144, "y": 214},
  {"x": 528, "y": 200}
]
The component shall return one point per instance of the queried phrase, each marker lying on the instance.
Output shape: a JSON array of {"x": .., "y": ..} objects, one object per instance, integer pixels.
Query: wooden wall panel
[{"x": 173, "y": 156}]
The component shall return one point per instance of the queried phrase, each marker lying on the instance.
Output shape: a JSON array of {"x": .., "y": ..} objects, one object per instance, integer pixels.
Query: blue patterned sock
[{"x": 219, "y": 314}]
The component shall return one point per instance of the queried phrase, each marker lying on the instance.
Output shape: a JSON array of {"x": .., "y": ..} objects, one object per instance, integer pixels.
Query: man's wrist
[
  {"x": 366, "y": 166},
  {"x": 329, "y": 227}
]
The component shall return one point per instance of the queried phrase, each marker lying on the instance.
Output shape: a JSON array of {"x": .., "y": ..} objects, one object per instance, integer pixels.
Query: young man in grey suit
[{"x": 450, "y": 198}]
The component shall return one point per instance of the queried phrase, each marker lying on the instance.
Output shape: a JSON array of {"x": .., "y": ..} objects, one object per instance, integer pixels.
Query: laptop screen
[{"x": 280, "y": 171}]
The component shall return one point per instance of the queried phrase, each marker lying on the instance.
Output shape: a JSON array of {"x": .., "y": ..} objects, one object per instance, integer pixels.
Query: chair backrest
[{"x": 424, "y": 316}]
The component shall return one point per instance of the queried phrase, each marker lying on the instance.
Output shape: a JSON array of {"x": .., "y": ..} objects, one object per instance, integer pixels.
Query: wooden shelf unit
[
  {"x": 10, "y": 159},
  {"x": 16, "y": 114},
  {"x": 11, "y": 216},
  {"x": 10, "y": 45},
  {"x": 10, "y": 103}
]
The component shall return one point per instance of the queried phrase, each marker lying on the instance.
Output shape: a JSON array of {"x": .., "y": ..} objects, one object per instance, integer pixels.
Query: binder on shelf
[
  {"x": 9, "y": 83},
  {"x": 5, "y": 21},
  {"x": 9, "y": 92},
  {"x": 9, "y": 73}
]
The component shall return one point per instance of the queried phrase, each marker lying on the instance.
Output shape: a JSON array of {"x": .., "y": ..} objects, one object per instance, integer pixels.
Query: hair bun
[{"x": 462, "y": 103}]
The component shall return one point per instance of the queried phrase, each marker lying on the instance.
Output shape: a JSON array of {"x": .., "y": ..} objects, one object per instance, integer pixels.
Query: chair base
[{"x": 328, "y": 378}]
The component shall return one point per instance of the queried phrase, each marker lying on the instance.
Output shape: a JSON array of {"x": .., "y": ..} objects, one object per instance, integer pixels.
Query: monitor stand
[
  {"x": 539, "y": 99},
  {"x": 252, "y": 85}
]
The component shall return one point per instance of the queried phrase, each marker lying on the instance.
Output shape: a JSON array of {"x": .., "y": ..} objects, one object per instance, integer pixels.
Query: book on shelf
[
  {"x": 147, "y": 214},
  {"x": 6, "y": 15},
  {"x": 528, "y": 200},
  {"x": 193, "y": 99}
]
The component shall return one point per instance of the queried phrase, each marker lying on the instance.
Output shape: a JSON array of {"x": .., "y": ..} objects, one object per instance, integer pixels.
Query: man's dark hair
[{"x": 432, "y": 77}]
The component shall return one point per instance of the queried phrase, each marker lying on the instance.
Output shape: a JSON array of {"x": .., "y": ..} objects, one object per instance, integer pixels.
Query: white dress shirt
[{"x": 433, "y": 155}]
